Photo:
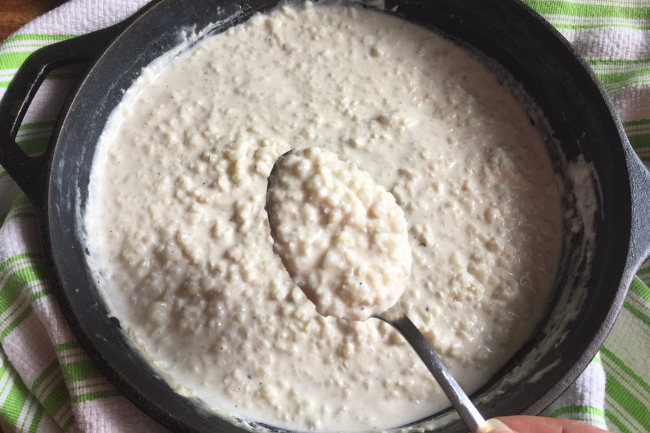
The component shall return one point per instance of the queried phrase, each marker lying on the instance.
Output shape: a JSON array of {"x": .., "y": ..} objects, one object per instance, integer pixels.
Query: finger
[
  {"x": 494, "y": 426},
  {"x": 537, "y": 424}
]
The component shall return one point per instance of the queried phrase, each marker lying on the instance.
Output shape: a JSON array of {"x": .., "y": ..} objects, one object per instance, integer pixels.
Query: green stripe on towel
[{"x": 588, "y": 10}]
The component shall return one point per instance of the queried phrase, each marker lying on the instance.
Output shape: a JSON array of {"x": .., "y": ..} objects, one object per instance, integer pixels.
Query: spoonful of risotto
[{"x": 344, "y": 241}]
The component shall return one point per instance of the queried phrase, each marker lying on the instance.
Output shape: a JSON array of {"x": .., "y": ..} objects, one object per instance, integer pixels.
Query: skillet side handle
[
  {"x": 640, "y": 186},
  {"x": 30, "y": 173}
]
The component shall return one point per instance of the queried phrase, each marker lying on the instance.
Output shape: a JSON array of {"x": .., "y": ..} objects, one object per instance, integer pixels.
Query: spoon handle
[{"x": 463, "y": 405}]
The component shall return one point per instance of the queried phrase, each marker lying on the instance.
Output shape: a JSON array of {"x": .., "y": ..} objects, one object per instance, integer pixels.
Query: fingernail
[{"x": 494, "y": 426}]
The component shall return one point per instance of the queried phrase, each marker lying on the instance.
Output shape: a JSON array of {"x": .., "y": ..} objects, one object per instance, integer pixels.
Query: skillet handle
[
  {"x": 30, "y": 173},
  {"x": 640, "y": 185}
]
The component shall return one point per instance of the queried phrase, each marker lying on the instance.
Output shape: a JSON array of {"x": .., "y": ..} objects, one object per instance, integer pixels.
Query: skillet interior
[{"x": 506, "y": 31}]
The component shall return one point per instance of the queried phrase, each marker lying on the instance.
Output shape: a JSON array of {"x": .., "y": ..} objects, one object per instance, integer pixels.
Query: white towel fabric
[{"x": 585, "y": 399}]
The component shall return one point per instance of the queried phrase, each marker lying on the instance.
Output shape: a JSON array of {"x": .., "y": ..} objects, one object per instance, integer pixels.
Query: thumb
[
  {"x": 538, "y": 424},
  {"x": 494, "y": 426}
]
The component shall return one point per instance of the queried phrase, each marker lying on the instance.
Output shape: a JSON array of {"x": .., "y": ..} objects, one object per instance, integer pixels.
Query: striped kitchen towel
[{"x": 47, "y": 382}]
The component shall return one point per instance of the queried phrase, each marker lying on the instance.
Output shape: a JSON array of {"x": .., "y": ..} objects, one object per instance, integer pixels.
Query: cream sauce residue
[{"x": 178, "y": 227}]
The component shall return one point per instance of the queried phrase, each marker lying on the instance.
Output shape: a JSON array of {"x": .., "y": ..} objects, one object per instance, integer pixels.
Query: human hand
[{"x": 536, "y": 424}]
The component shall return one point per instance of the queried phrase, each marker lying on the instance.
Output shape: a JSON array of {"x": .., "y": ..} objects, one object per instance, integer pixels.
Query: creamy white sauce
[
  {"x": 179, "y": 232},
  {"x": 342, "y": 237}
]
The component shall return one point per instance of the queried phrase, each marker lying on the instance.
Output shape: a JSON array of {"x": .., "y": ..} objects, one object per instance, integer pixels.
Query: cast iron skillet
[{"x": 579, "y": 112}]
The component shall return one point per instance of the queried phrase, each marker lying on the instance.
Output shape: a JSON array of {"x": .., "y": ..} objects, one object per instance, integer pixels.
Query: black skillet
[{"x": 579, "y": 112}]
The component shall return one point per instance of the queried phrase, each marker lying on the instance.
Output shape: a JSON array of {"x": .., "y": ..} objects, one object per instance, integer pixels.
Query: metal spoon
[{"x": 395, "y": 317}]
